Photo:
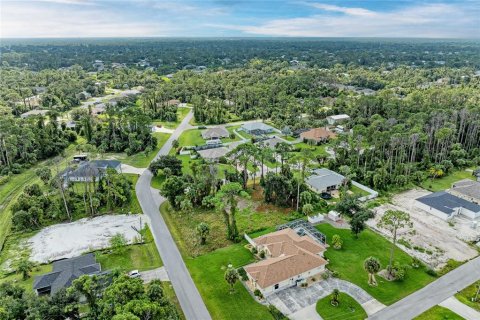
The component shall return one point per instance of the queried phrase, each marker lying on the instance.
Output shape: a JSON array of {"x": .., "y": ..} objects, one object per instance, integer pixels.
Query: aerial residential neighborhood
[{"x": 266, "y": 160}]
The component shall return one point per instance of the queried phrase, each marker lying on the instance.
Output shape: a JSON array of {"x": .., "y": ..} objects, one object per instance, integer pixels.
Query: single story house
[
  {"x": 271, "y": 142},
  {"x": 317, "y": 135},
  {"x": 173, "y": 102},
  {"x": 339, "y": 118},
  {"x": 289, "y": 260},
  {"x": 445, "y": 206},
  {"x": 65, "y": 272},
  {"x": 84, "y": 95},
  {"x": 87, "y": 171},
  {"x": 33, "y": 113},
  {"x": 215, "y": 133},
  {"x": 99, "y": 109},
  {"x": 325, "y": 180},
  {"x": 213, "y": 154},
  {"x": 466, "y": 189},
  {"x": 257, "y": 128},
  {"x": 71, "y": 125}
]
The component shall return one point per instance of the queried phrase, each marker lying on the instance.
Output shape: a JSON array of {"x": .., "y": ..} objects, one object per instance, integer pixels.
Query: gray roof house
[
  {"x": 467, "y": 189},
  {"x": 33, "y": 113},
  {"x": 325, "y": 180},
  {"x": 445, "y": 205},
  {"x": 215, "y": 133},
  {"x": 257, "y": 128},
  {"x": 213, "y": 154},
  {"x": 86, "y": 171},
  {"x": 65, "y": 272},
  {"x": 271, "y": 142}
]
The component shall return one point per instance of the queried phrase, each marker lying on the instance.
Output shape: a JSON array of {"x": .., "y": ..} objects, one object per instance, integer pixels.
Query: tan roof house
[
  {"x": 290, "y": 260},
  {"x": 173, "y": 102},
  {"x": 317, "y": 135},
  {"x": 215, "y": 133}
]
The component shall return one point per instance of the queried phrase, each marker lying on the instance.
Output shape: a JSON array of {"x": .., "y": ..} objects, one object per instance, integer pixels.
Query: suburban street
[
  {"x": 433, "y": 294},
  {"x": 187, "y": 294}
]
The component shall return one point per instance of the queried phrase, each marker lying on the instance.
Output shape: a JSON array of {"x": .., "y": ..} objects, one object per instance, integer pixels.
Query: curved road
[{"x": 190, "y": 300}]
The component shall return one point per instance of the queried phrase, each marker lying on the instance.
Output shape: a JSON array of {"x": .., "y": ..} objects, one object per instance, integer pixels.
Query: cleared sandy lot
[
  {"x": 439, "y": 240},
  {"x": 68, "y": 240}
]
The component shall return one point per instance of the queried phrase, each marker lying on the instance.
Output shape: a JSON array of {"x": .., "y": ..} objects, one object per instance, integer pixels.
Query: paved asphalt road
[
  {"x": 433, "y": 294},
  {"x": 190, "y": 300}
]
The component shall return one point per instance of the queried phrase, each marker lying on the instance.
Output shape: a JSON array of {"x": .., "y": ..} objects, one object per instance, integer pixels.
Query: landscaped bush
[
  {"x": 277, "y": 315},
  {"x": 243, "y": 274},
  {"x": 257, "y": 293},
  {"x": 262, "y": 254},
  {"x": 431, "y": 272}
]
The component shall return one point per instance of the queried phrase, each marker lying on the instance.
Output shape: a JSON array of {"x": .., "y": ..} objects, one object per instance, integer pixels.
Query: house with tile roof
[
  {"x": 290, "y": 259},
  {"x": 215, "y": 133},
  {"x": 317, "y": 135}
]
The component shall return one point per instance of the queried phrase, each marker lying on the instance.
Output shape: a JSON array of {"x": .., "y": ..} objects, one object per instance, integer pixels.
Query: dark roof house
[
  {"x": 446, "y": 205},
  {"x": 86, "y": 171},
  {"x": 65, "y": 272}
]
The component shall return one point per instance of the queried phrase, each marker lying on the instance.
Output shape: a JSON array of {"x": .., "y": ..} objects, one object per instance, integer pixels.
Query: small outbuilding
[{"x": 336, "y": 119}]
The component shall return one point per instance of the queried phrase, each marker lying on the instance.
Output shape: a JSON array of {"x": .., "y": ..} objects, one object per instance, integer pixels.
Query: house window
[{"x": 276, "y": 286}]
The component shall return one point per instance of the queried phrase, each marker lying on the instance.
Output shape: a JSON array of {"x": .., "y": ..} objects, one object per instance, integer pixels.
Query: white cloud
[
  {"x": 430, "y": 21},
  {"x": 59, "y": 21}
]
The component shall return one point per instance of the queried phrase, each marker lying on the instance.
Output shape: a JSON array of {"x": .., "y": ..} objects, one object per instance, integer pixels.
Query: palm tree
[
  {"x": 25, "y": 267},
  {"x": 334, "y": 300},
  {"x": 231, "y": 276},
  {"x": 372, "y": 266}
]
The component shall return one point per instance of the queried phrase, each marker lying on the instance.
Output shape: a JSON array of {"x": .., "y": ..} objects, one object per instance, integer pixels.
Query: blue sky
[{"x": 245, "y": 18}]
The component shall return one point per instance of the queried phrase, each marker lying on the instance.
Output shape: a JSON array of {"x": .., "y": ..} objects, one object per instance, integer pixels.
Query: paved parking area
[
  {"x": 296, "y": 299},
  {"x": 150, "y": 275}
]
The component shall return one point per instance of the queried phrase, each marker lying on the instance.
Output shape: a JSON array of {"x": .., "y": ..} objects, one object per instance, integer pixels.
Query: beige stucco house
[{"x": 290, "y": 259}]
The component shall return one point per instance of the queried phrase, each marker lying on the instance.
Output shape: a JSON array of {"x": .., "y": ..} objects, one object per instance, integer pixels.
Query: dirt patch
[
  {"x": 68, "y": 240},
  {"x": 432, "y": 239}
]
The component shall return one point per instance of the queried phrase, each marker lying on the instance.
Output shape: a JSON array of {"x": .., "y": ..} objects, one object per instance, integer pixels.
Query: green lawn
[
  {"x": 357, "y": 191},
  {"x": 348, "y": 308},
  {"x": 134, "y": 257},
  {"x": 348, "y": 262},
  {"x": 446, "y": 181},
  {"x": 192, "y": 137},
  {"x": 208, "y": 271},
  {"x": 465, "y": 296},
  {"x": 141, "y": 160},
  {"x": 439, "y": 313},
  {"x": 316, "y": 150},
  {"x": 181, "y": 114}
]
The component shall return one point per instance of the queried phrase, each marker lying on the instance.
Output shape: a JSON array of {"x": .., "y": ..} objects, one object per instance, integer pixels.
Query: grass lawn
[
  {"x": 348, "y": 262},
  {"x": 242, "y": 133},
  {"x": 182, "y": 226},
  {"x": 192, "y": 137},
  {"x": 359, "y": 192},
  {"x": 181, "y": 114},
  {"x": 134, "y": 257},
  {"x": 348, "y": 308},
  {"x": 439, "y": 313},
  {"x": 316, "y": 150},
  {"x": 208, "y": 272},
  {"x": 446, "y": 181},
  {"x": 465, "y": 296},
  {"x": 141, "y": 160}
]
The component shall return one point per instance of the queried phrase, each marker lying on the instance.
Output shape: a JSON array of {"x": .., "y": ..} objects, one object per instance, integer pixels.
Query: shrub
[
  {"x": 243, "y": 274},
  {"x": 257, "y": 293},
  {"x": 254, "y": 250},
  {"x": 276, "y": 314},
  {"x": 337, "y": 242},
  {"x": 431, "y": 272},
  {"x": 262, "y": 254},
  {"x": 416, "y": 263},
  {"x": 325, "y": 275}
]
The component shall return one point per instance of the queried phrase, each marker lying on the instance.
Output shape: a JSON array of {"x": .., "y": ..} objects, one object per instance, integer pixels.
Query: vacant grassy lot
[
  {"x": 142, "y": 160},
  {"x": 439, "y": 313},
  {"x": 208, "y": 273},
  {"x": 134, "y": 257},
  {"x": 465, "y": 296},
  {"x": 348, "y": 308},
  {"x": 348, "y": 262},
  {"x": 316, "y": 150},
  {"x": 446, "y": 181},
  {"x": 182, "y": 226},
  {"x": 192, "y": 137},
  {"x": 181, "y": 114}
]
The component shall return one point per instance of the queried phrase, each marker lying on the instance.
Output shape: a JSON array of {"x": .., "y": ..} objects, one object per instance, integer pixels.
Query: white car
[{"x": 134, "y": 274}]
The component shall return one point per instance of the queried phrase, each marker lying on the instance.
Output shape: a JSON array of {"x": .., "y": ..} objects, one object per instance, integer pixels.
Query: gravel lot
[
  {"x": 440, "y": 240},
  {"x": 68, "y": 240}
]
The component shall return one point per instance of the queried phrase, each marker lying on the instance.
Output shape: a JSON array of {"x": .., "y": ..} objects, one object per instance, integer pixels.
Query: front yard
[
  {"x": 468, "y": 294},
  {"x": 348, "y": 262},
  {"x": 439, "y": 313},
  {"x": 347, "y": 308}
]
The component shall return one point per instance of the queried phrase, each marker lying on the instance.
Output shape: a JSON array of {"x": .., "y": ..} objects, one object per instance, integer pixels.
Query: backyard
[
  {"x": 445, "y": 182},
  {"x": 348, "y": 262}
]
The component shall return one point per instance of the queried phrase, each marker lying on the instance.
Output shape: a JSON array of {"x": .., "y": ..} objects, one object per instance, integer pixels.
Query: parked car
[
  {"x": 134, "y": 274},
  {"x": 325, "y": 196}
]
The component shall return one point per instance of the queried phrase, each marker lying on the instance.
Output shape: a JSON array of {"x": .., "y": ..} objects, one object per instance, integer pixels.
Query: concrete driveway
[
  {"x": 297, "y": 302},
  {"x": 155, "y": 274}
]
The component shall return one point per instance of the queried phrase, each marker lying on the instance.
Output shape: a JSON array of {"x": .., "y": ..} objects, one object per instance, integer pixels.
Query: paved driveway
[
  {"x": 296, "y": 301},
  {"x": 155, "y": 274}
]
